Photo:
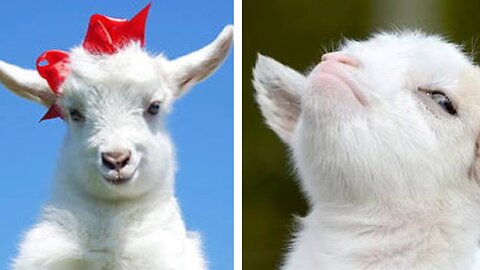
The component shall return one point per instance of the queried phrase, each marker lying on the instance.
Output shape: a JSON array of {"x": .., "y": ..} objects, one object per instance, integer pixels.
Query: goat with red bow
[{"x": 113, "y": 205}]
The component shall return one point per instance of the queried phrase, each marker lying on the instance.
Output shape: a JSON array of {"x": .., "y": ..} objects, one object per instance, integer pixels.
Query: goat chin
[{"x": 384, "y": 135}]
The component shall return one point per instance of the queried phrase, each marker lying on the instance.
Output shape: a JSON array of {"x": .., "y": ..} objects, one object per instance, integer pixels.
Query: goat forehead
[
  {"x": 97, "y": 93},
  {"x": 130, "y": 65}
]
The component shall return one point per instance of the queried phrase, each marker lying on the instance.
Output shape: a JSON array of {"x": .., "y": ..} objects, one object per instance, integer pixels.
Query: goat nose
[
  {"x": 341, "y": 58},
  {"x": 116, "y": 160}
]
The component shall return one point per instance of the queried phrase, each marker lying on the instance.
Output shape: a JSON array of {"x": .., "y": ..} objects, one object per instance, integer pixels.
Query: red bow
[
  {"x": 53, "y": 67},
  {"x": 104, "y": 36}
]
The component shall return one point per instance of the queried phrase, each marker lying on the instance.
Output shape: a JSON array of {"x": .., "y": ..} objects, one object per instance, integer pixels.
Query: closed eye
[{"x": 441, "y": 99}]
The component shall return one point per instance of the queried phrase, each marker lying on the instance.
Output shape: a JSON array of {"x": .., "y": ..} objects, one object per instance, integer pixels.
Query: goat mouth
[
  {"x": 117, "y": 178},
  {"x": 334, "y": 74}
]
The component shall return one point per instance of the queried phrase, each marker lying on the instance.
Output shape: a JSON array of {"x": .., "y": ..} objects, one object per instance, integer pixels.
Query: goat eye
[
  {"x": 154, "y": 108},
  {"x": 76, "y": 115},
  {"x": 441, "y": 99}
]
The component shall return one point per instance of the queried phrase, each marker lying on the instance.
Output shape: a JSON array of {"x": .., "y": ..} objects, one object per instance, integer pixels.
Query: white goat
[
  {"x": 113, "y": 205},
  {"x": 383, "y": 134}
]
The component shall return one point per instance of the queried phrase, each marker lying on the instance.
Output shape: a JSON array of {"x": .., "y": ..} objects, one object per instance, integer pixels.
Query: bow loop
[
  {"x": 106, "y": 35},
  {"x": 53, "y": 67}
]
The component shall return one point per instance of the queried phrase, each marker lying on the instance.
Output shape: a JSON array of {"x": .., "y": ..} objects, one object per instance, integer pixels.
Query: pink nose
[
  {"x": 116, "y": 160},
  {"x": 341, "y": 58}
]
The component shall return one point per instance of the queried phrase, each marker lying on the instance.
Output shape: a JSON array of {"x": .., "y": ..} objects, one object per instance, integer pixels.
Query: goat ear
[
  {"x": 26, "y": 83},
  {"x": 278, "y": 94},
  {"x": 197, "y": 66}
]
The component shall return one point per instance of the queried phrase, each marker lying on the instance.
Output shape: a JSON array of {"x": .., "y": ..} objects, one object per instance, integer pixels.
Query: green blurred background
[{"x": 296, "y": 33}]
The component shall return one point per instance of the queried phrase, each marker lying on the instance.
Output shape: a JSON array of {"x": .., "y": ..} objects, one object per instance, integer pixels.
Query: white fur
[
  {"x": 392, "y": 182},
  {"x": 90, "y": 223}
]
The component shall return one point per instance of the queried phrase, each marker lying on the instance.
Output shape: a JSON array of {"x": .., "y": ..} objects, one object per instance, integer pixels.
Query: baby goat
[
  {"x": 384, "y": 136},
  {"x": 113, "y": 205}
]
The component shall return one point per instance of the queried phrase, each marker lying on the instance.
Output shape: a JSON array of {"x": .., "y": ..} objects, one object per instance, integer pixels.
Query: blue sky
[{"x": 201, "y": 123}]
